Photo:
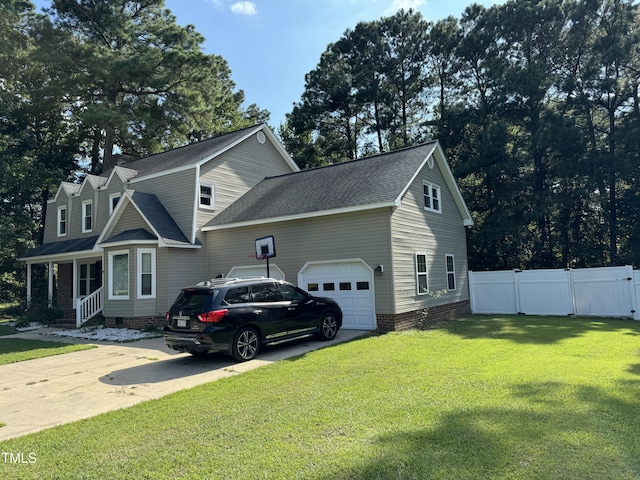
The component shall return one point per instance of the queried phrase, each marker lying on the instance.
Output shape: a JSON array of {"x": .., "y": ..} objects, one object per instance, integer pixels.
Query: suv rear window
[{"x": 195, "y": 299}]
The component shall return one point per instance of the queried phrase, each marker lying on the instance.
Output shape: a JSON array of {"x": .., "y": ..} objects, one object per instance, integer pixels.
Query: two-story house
[{"x": 379, "y": 234}]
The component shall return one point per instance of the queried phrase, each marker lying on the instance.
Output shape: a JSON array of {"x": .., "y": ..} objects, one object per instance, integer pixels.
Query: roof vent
[{"x": 260, "y": 136}]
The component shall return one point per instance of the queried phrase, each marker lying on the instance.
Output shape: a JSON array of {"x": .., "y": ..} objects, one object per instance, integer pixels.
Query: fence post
[
  {"x": 632, "y": 286},
  {"x": 572, "y": 291},
  {"x": 471, "y": 292},
  {"x": 516, "y": 286}
]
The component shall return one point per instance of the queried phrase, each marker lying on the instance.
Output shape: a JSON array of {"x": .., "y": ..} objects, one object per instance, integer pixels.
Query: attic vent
[
  {"x": 261, "y": 138},
  {"x": 430, "y": 162}
]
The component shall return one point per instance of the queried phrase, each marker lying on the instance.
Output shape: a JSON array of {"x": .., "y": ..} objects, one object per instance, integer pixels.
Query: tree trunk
[
  {"x": 95, "y": 151},
  {"x": 107, "y": 159},
  {"x": 613, "y": 210}
]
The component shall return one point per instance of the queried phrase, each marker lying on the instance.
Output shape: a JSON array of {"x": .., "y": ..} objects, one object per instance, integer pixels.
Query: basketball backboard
[{"x": 265, "y": 247}]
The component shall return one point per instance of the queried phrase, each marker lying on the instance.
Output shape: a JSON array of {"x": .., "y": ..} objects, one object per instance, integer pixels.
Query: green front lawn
[
  {"x": 19, "y": 349},
  {"x": 479, "y": 398},
  {"x": 7, "y": 329}
]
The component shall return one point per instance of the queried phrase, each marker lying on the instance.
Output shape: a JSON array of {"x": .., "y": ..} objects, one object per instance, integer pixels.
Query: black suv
[{"x": 238, "y": 316}]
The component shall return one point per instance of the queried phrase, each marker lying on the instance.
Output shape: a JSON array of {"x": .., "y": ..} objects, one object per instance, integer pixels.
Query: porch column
[
  {"x": 28, "y": 285},
  {"x": 50, "y": 295},
  {"x": 74, "y": 280}
]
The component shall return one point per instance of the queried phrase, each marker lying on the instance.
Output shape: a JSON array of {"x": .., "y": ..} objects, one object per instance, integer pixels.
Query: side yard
[{"x": 481, "y": 397}]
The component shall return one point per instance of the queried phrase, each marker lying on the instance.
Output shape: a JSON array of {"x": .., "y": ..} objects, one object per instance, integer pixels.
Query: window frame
[
  {"x": 452, "y": 272},
  {"x": 139, "y": 254},
  {"x": 210, "y": 196},
  {"x": 85, "y": 217},
  {"x": 112, "y": 197},
  {"x": 63, "y": 208},
  {"x": 432, "y": 187},
  {"x": 420, "y": 273},
  {"x": 112, "y": 294}
]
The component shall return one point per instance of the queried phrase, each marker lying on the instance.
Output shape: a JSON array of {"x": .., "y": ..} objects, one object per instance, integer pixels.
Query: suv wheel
[
  {"x": 245, "y": 344},
  {"x": 328, "y": 326}
]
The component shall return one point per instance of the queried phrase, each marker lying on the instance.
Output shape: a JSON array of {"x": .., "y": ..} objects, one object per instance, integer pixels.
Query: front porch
[{"x": 75, "y": 287}]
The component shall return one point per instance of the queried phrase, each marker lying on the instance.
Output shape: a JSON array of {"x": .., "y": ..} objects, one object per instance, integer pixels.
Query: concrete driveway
[{"x": 42, "y": 393}]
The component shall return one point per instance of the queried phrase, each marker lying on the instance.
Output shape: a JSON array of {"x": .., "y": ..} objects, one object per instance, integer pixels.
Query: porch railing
[{"x": 89, "y": 306}]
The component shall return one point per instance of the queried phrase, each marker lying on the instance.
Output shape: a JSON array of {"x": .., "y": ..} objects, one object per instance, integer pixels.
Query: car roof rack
[{"x": 227, "y": 281}]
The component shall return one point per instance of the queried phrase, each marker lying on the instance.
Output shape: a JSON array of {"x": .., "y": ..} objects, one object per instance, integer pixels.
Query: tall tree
[
  {"x": 367, "y": 93},
  {"x": 611, "y": 83},
  {"x": 142, "y": 80},
  {"x": 37, "y": 141}
]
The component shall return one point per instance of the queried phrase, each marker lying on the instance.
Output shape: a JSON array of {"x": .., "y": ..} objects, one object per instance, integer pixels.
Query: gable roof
[
  {"x": 189, "y": 156},
  {"x": 371, "y": 182},
  {"x": 163, "y": 227}
]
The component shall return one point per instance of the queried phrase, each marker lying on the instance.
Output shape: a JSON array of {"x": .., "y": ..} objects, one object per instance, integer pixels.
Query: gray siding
[
  {"x": 415, "y": 230},
  {"x": 74, "y": 228},
  {"x": 129, "y": 220},
  {"x": 101, "y": 214},
  {"x": 184, "y": 267},
  {"x": 104, "y": 200},
  {"x": 237, "y": 171},
  {"x": 176, "y": 191},
  {"x": 51, "y": 222},
  {"x": 119, "y": 308},
  {"x": 362, "y": 234}
]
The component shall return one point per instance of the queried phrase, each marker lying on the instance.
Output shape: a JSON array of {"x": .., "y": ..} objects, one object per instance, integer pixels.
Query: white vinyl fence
[{"x": 602, "y": 292}]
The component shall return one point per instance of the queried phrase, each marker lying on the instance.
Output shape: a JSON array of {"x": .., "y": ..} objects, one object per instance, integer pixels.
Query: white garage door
[{"x": 350, "y": 283}]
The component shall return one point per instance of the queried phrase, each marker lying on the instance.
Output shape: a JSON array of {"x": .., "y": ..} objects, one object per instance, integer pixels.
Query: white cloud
[
  {"x": 407, "y": 4},
  {"x": 216, "y": 3},
  {"x": 244, "y": 8}
]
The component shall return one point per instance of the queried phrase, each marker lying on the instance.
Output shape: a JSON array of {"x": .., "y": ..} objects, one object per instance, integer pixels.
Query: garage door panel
[
  {"x": 345, "y": 302},
  {"x": 350, "y": 283}
]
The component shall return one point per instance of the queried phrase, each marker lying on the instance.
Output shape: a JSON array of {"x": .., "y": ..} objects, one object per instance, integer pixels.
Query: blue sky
[{"x": 271, "y": 44}]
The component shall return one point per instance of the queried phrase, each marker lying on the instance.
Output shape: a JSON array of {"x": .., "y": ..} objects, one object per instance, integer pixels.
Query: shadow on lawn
[
  {"x": 533, "y": 329},
  {"x": 546, "y": 430}
]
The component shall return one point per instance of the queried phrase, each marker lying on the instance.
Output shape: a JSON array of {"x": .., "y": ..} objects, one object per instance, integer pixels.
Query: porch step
[{"x": 64, "y": 323}]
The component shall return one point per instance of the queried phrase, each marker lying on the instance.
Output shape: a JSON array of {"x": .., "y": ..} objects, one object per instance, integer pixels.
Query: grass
[
  {"x": 478, "y": 398},
  {"x": 7, "y": 329},
  {"x": 19, "y": 349}
]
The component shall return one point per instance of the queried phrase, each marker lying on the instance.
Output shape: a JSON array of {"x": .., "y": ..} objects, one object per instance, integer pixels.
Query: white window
[
  {"x": 451, "y": 272},
  {"x": 207, "y": 197},
  {"x": 119, "y": 275},
  {"x": 62, "y": 221},
  {"x": 146, "y": 273},
  {"x": 114, "y": 198},
  {"x": 422, "y": 282},
  {"x": 432, "y": 200},
  {"x": 87, "y": 216}
]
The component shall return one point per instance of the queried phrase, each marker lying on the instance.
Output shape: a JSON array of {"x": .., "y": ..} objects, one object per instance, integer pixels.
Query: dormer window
[
  {"x": 62, "y": 221},
  {"x": 114, "y": 198},
  {"x": 206, "y": 197},
  {"x": 87, "y": 216},
  {"x": 432, "y": 199}
]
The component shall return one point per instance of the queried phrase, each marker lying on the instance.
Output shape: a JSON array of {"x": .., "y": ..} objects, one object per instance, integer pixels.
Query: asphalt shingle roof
[
  {"x": 129, "y": 235},
  {"x": 186, "y": 155},
  {"x": 159, "y": 218},
  {"x": 64, "y": 246},
  {"x": 372, "y": 180}
]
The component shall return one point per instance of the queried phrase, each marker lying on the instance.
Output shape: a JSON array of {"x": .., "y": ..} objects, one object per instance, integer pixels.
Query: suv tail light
[{"x": 212, "y": 317}]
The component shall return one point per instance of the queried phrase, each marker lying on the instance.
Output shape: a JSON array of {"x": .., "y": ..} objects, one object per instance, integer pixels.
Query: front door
[{"x": 89, "y": 278}]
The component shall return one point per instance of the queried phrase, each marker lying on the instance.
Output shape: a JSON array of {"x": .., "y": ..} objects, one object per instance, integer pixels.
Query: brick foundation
[
  {"x": 416, "y": 318},
  {"x": 138, "y": 323}
]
